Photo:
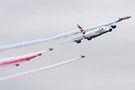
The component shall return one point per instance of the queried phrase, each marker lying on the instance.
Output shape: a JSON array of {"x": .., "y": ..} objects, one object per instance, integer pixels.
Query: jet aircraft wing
[
  {"x": 106, "y": 24},
  {"x": 78, "y": 38}
]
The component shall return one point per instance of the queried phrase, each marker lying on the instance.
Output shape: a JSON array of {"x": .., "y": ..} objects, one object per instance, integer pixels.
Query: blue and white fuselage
[{"x": 97, "y": 32}]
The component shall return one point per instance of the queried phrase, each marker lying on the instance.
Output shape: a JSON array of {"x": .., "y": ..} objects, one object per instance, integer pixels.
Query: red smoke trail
[
  {"x": 17, "y": 61},
  {"x": 41, "y": 69}
]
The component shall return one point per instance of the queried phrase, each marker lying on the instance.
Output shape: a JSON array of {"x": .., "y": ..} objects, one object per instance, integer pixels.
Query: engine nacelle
[
  {"x": 110, "y": 30},
  {"x": 78, "y": 41},
  {"x": 113, "y": 26},
  {"x": 89, "y": 38}
]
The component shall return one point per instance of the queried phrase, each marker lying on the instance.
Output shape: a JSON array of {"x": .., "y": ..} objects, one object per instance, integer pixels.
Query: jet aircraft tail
[{"x": 81, "y": 29}]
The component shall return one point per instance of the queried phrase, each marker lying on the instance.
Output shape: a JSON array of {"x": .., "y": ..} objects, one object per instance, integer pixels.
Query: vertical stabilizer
[{"x": 81, "y": 29}]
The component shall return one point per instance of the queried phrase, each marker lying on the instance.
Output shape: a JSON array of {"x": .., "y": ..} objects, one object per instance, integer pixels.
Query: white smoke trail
[
  {"x": 23, "y": 56},
  {"x": 40, "y": 69},
  {"x": 45, "y": 39},
  {"x": 35, "y": 41},
  {"x": 7, "y": 67}
]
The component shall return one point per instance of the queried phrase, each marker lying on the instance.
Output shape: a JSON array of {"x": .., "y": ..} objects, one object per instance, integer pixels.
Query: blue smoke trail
[{"x": 25, "y": 43}]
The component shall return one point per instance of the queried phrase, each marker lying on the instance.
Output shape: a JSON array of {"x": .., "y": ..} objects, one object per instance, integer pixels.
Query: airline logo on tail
[{"x": 81, "y": 29}]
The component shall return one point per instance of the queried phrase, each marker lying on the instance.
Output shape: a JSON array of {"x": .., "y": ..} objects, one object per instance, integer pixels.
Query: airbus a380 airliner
[{"x": 97, "y": 30}]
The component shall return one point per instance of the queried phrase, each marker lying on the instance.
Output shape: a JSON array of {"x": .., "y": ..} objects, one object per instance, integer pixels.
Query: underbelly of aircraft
[{"x": 98, "y": 34}]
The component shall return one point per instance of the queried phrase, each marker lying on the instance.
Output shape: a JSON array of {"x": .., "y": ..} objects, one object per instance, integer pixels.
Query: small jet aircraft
[{"x": 98, "y": 30}]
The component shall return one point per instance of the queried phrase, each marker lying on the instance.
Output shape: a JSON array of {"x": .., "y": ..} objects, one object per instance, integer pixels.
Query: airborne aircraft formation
[{"x": 88, "y": 33}]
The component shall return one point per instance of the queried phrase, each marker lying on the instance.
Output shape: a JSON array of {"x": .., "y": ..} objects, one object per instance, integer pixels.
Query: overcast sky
[{"x": 109, "y": 62}]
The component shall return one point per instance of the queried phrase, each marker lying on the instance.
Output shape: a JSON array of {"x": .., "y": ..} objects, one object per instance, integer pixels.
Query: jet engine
[
  {"x": 78, "y": 41},
  {"x": 110, "y": 29},
  {"x": 89, "y": 38},
  {"x": 113, "y": 26}
]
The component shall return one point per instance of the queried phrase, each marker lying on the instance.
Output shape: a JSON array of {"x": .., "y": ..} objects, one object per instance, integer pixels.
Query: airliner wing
[
  {"x": 106, "y": 24},
  {"x": 79, "y": 38}
]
